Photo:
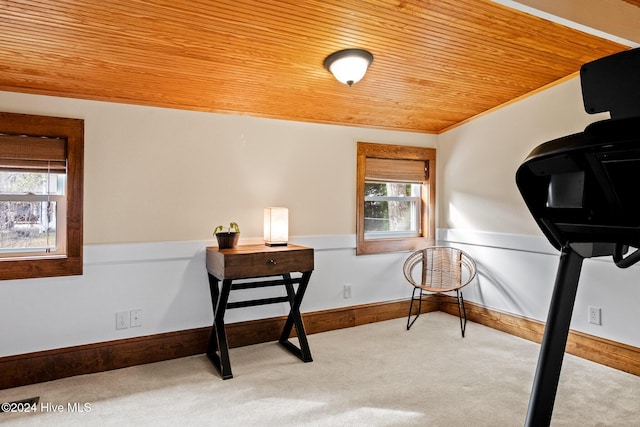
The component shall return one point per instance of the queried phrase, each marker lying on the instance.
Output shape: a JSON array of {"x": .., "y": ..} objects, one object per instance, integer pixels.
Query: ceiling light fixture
[{"x": 349, "y": 65}]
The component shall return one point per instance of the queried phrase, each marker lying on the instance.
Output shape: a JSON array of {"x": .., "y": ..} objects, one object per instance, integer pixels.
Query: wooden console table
[{"x": 262, "y": 263}]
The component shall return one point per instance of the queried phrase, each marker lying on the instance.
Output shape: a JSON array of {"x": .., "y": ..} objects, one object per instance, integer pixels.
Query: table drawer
[{"x": 238, "y": 264}]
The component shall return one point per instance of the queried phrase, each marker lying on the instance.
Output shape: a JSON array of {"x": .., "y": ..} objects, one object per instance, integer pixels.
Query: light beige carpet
[{"x": 372, "y": 375}]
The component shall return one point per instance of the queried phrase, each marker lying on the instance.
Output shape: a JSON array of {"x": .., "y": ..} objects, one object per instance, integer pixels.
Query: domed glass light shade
[{"x": 348, "y": 66}]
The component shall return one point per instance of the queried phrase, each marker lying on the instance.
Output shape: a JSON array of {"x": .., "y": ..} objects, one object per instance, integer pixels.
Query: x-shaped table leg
[
  {"x": 218, "y": 351},
  {"x": 295, "y": 319}
]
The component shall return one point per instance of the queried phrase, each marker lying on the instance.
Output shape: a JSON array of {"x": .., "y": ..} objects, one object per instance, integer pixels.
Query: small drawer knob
[{"x": 272, "y": 262}]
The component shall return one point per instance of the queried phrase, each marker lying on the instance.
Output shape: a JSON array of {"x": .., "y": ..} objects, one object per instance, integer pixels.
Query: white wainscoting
[
  {"x": 168, "y": 281},
  {"x": 517, "y": 274}
]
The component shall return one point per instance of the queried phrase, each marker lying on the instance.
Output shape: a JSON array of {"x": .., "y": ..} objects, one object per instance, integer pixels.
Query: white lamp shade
[
  {"x": 348, "y": 66},
  {"x": 349, "y": 69},
  {"x": 276, "y": 226}
]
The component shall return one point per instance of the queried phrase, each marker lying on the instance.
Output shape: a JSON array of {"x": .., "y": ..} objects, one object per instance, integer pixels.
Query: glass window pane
[
  {"x": 390, "y": 216},
  {"x": 375, "y": 189},
  {"x": 392, "y": 208},
  {"x": 27, "y": 225},
  {"x": 28, "y": 218},
  {"x": 12, "y": 182}
]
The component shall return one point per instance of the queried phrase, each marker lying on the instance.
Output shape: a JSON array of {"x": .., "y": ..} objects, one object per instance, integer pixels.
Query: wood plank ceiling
[{"x": 437, "y": 62}]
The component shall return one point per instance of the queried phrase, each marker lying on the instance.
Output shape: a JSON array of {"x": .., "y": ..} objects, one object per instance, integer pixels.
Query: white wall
[
  {"x": 481, "y": 211},
  {"x": 154, "y": 179},
  {"x": 157, "y": 181},
  {"x": 478, "y": 161}
]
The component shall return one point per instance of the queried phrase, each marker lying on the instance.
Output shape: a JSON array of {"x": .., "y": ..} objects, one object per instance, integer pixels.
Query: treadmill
[{"x": 584, "y": 194}]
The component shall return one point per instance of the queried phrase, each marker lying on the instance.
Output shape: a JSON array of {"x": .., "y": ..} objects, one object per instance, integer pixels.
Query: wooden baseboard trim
[
  {"x": 265, "y": 330},
  {"x": 600, "y": 350},
  {"x": 49, "y": 365}
]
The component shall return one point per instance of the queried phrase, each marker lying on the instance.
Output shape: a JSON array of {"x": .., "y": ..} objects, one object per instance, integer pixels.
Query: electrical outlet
[
  {"x": 122, "y": 320},
  {"x": 347, "y": 291},
  {"x": 594, "y": 315},
  {"x": 136, "y": 318}
]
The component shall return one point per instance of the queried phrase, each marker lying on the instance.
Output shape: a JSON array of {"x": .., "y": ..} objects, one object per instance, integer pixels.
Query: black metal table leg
[
  {"x": 218, "y": 351},
  {"x": 215, "y": 293},
  {"x": 295, "y": 319},
  {"x": 545, "y": 383}
]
